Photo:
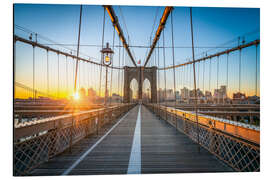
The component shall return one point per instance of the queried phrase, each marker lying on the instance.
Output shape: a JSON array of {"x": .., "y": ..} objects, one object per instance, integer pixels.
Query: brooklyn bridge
[{"x": 115, "y": 113}]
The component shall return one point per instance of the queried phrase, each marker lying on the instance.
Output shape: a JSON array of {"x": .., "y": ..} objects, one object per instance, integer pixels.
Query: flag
[{"x": 139, "y": 62}]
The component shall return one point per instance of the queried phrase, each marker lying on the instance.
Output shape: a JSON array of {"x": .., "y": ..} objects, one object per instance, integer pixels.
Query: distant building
[
  {"x": 160, "y": 95},
  {"x": 92, "y": 94},
  {"x": 184, "y": 93},
  {"x": 239, "y": 95},
  {"x": 177, "y": 94},
  {"x": 220, "y": 94},
  {"x": 253, "y": 100},
  {"x": 192, "y": 93},
  {"x": 170, "y": 94},
  {"x": 82, "y": 93},
  {"x": 208, "y": 95},
  {"x": 116, "y": 97}
]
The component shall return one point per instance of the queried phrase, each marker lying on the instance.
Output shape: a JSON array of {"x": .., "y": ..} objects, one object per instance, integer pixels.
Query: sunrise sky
[{"x": 212, "y": 27}]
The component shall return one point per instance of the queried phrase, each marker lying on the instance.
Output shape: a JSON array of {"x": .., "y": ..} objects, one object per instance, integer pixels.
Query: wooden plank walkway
[{"x": 118, "y": 148}]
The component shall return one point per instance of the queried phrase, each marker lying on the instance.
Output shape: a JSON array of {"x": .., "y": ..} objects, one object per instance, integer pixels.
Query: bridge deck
[{"x": 133, "y": 144}]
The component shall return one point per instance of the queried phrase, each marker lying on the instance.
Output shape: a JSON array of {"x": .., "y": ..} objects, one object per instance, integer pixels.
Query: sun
[{"x": 76, "y": 96}]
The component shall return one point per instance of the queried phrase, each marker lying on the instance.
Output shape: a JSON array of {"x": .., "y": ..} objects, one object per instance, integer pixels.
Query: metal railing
[
  {"x": 239, "y": 153},
  {"x": 37, "y": 142}
]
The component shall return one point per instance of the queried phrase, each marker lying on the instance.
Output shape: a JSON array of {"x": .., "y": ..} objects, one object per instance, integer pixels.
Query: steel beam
[
  {"x": 120, "y": 33},
  {"x": 160, "y": 28}
]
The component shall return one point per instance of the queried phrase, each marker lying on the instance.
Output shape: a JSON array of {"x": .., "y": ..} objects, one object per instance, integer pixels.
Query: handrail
[
  {"x": 33, "y": 127},
  {"x": 238, "y": 129}
]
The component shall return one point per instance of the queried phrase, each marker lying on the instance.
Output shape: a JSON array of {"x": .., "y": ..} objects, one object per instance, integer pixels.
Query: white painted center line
[
  {"x": 92, "y": 147},
  {"x": 134, "y": 166}
]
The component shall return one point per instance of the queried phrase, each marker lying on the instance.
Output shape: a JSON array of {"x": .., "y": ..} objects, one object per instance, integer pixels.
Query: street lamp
[{"x": 107, "y": 56}]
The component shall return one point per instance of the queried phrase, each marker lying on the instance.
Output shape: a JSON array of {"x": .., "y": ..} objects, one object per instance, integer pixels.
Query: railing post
[
  {"x": 97, "y": 122},
  {"x": 71, "y": 133}
]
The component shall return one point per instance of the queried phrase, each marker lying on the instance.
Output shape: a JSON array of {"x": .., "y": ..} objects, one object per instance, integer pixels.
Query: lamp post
[{"x": 107, "y": 55}]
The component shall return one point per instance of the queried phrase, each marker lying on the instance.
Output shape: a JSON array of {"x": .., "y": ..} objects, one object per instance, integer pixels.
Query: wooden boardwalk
[{"x": 138, "y": 142}]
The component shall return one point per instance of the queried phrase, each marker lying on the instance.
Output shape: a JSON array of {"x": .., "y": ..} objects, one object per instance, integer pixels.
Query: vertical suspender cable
[
  {"x": 67, "y": 76},
  {"x": 34, "y": 73},
  {"x": 227, "y": 75},
  {"x": 217, "y": 78},
  {"x": 210, "y": 75},
  {"x": 184, "y": 76},
  {"x": 78, "y": 50},
  {"x": 48, "y": 73},
  {"x": 88, "y": 77},
  {"x": 77, "y": 61},
  {"x": 84, "y": 76},
  {"x": 165, "y": 94},
  {"x": 190, "y": 73},
  {"x": 118, "y": 91},
  {"x": 58, "y": 75},
  {"x": 198, "y": 83},
  {"x": 194, "y": 74},
  {"x": 203, "y": 75},
  {"x": 173, "y": 69},
  {"x": 79, "y": 74},
  {"x": 14, "y": 73},
  {"x": 112, "y": 70},
  {"x": 155, "y": 57},
  {"x": 240, "y": 70},
  {"x": 73, "y": 72},
  {"x": 256, "y": 80},
  {"x": 123, "y": 64},
  {"x": 158, "y": 80}
]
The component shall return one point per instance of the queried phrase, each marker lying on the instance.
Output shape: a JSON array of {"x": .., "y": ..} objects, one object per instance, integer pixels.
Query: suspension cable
[
  {"x": 119, "y": 69},
  {"x": 227, "y": 75},
  {"x": 88, "y": 77},
  {"x": 67, "y": 75},
  {"x": 73, "y": 73},
  {"x": 165, "y": 94},
  {"x": 256, "y": 80},
  {"x": 15, "y": 63},
  {"x": 47, "y": 72},
  {"x": 240, "y": 70},
  {"x": 78, "y": 50},
  {"x": 217, "y": 70},
  {"x": 194, "y": 74},
  {"x": 190, "y": 77},
  {"x": 184, "y": 76},
  {"x": 198, "y": 83},
  {"x": 34, "y": 73},
  {"x": 102, "y": 45},
  {"x": 158, "y": 79},
  {"x": 174, "y": 85},
  {"x": 58, "y": 75},
  {"x": 112, "y": 70},
  {"x": 203, "y": 76},
  {"x": 122, "y": 74},
  {"x": 210, "y": 75}
]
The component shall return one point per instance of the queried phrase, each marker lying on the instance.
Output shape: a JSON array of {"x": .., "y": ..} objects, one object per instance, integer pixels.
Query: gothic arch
[{"x": 140, "y": 74}]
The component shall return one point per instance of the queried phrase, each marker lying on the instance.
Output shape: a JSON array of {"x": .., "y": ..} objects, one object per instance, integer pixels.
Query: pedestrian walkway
[{"x": 138, "y": 142}]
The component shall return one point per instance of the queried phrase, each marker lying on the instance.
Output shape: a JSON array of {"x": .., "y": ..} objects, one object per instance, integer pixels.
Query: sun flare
[{"x": 76, "y": 96}]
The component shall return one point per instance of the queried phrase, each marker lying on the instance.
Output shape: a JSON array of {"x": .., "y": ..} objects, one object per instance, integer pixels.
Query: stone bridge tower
[{"x": 140, "y": 74}]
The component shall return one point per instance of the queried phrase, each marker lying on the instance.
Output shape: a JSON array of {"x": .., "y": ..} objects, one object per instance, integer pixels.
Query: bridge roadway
[{"x": 138, "y": 142}]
